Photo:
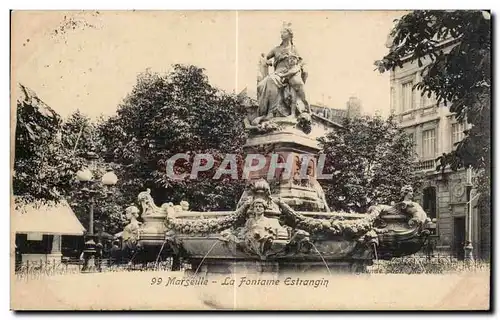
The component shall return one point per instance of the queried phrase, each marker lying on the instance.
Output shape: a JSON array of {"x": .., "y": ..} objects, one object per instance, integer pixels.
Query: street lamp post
[
  {"x": 92, "y": 249},
  {"x": 468, "y": 248},
  {"x": 86, "y": 176}
]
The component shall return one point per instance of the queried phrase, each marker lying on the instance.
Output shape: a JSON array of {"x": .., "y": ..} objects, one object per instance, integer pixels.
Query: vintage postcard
[{"x": 250, "y": 160}]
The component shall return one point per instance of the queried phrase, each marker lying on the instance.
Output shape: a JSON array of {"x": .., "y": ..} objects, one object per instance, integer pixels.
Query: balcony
[
  {"x": 426, "y": 165},
  {"x": 429, "y": 110},
  {"x": 421, "y": 114},
  {"x": 407, "y": 116}
]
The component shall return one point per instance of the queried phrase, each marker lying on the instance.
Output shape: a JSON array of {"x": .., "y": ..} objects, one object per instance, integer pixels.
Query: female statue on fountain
[
  {"x": 278, "y": 92},
  {"x": 259, "y": 230},
  {"x": 130, "y": 234},
  {"x": 413, "y": 209}
]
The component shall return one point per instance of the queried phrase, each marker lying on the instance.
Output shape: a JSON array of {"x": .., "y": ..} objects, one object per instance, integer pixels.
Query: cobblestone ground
[{"x": 134, "y": 290}]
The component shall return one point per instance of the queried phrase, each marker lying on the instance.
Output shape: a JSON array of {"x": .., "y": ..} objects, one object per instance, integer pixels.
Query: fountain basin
[{"x": 212, "y": 253}]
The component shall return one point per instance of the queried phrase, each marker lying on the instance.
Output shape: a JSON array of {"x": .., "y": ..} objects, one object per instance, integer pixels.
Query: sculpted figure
[
  {"x": 169, "y": 209},
  {"x": 263, "y": 68},
  {"x": 147, "y": 203},
  {"x": 184, "y": 205},
  {"x": 407, "y": 193},
  {"x": 150, "y": 208},
  {"x": 130, "y": 233},
  {"x": 412, "y": 209},
  {"x": 260, "y": 231},
  {"x": 279, "y": 91},
  {"x": 406, "y": 206},
  {"x": 259, "y": 189}
]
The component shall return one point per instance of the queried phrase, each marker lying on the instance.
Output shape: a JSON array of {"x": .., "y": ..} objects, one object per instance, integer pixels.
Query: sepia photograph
[{"x": 250, "y": 160}]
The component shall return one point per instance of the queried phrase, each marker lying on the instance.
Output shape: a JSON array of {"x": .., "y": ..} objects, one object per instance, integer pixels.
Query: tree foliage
[
  {"x": 43, "y": 168},
  {"x": 371, "y": 159},
  {"x": 179, "y": 112},
  {"x": 166, "y": 114},
  {"x": 81, "y": 138},
  {"x": 50, "y": 150},
  {"x": 459, "y": 78}
]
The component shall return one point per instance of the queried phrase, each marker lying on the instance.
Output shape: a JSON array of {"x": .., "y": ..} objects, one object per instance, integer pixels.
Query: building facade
[
  {"x": 353, "y": 108},
  {"x": 444, "y": 196}
]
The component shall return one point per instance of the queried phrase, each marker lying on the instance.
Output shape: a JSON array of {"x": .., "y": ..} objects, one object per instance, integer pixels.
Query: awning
[{"x": 46, "y": 218}]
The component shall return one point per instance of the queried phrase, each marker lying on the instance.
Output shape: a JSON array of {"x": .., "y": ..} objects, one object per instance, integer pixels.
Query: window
[
  {"x": 34, "y": 236},
  {"x": 429, "y": 143},
  {"x": 430, "y": 202},
  {"x": 407, "y": 96},
  {"x": 37, "y": 247},
  {"x": 393, "y": 99},
  {"x": 457, "y": 132},
  {"x": 412, "y": 139}
]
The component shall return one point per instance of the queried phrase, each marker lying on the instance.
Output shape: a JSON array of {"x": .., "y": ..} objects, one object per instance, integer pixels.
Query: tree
[
  {"x": 371, "y": 159},
  {"x": 460, "y": 78},
  {"x": 81, "y": 138},
  {"x": 166, "y": 114},
  {"x": 179, "y": 112},
  {"x": 50, "y": 150},
  {"x": 43, "y": 169}
]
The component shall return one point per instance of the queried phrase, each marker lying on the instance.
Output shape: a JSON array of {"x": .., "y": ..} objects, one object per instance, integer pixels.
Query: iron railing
[{"x": 426, "y": 165}]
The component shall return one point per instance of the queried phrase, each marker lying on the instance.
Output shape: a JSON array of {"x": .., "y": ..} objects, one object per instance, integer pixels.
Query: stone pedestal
[
  {"x": 291, "y": 168},
  {"x": 235, "y": 267},
  {"x": 276, "y": 268},
  {"x": 153, "y": 229},
  {"x": 322, "y": 268}
]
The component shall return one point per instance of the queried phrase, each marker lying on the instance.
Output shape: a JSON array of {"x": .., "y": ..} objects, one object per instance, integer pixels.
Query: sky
[{"x": 93, "y": 60}]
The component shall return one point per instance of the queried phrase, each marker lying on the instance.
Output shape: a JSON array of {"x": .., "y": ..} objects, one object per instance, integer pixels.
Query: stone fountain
[{"x": 282, "y": 222}]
